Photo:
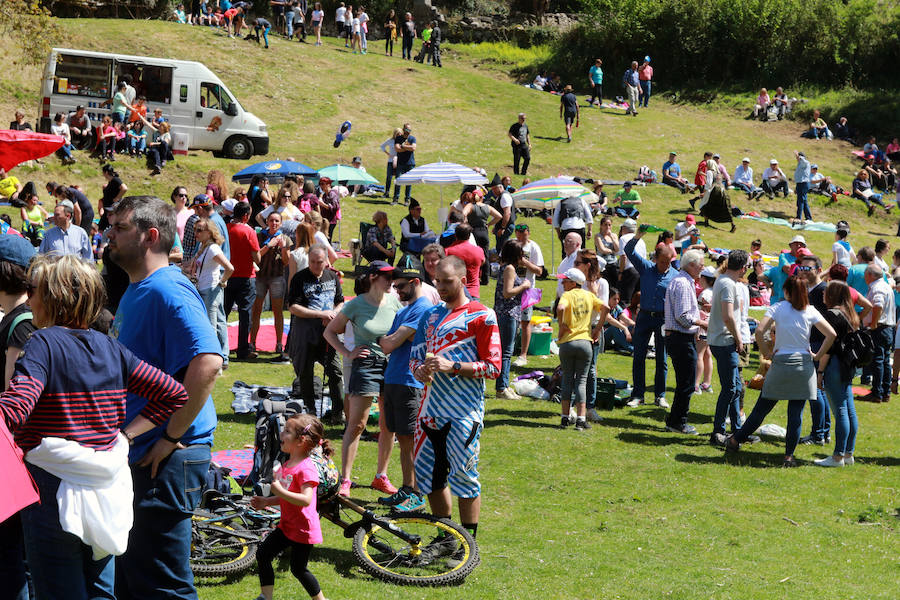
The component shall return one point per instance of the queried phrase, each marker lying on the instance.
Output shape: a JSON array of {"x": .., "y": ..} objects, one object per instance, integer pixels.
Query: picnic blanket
[
  {"x": 809, "y": 226},
  {"x": 265, "y": 339},
  {"x": 239, "y": 461}
]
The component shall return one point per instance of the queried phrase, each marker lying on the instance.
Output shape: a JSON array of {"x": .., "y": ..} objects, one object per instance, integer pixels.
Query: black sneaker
[
  {"x": 581, "y": 425},
  {"x": 718, "y": 440},
  {"x": 563, "y": 422},
  {"x": 395, "y": 498},
  {"x": 810, "y": 441},
  {"x": 684, "y": 429}
]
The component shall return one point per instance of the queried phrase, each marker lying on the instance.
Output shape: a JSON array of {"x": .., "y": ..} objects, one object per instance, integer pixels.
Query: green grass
[{"x": 625, "y": 510}]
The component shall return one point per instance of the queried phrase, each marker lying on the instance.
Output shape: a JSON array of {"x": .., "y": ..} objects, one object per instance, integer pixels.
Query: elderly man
[
  {"x": 631, "y": 80},
  {"x": 683, "y": 324},
  {"x": 881, "y": 323},
  {"x": 743, "y": 179},
  {"x": 573, "y": 215},
  {"x": 801, "y": 187},
  {"x": 654, "y": 277},
  {"x": 64, "y": 238},
  {"x": 571, "y": 246},
  {"x": 380, "y": 244},
  {"x": 726, "y": 344},
  {"x": 774, "y": 180},
  {"x": 415, "y": 233},
  {"x": 162, "y": 320},
  {"x": 520, "y": 138}
]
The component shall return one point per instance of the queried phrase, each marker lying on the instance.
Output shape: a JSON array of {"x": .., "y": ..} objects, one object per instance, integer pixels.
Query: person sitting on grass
[
  {"x": 671, "y": 174},
  {"x": 819, "y": 128},
  {"x": 743, "y": 179},
  {"x": 760, "y": 110},
  {"x": 862, "y": 190},
  {"x": 821, "y": 184},
  {"x": 618, "y": 328},
  {"x": 627, "y": 199},
  {"x": 843, "y": 131},
  {"x": 693, "y": 242},
  {"x": 774, "y": 180}
]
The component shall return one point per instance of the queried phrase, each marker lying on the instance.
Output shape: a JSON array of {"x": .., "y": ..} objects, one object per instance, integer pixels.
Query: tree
[{"x": 29, "y": 24}]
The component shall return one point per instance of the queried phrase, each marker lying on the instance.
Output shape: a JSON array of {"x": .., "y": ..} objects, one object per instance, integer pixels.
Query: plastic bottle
[{"x": 650, "y": 228}]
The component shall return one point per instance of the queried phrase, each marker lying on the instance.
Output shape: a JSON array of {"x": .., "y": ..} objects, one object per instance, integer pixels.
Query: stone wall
[{"x": 516, "y": 27}]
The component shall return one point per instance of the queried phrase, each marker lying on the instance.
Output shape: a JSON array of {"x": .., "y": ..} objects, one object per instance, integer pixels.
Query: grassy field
[{"x": 624, "y": 510}]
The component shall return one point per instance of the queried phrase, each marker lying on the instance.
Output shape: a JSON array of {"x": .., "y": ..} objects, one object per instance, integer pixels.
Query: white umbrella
[{"x": 441, "y": 173}]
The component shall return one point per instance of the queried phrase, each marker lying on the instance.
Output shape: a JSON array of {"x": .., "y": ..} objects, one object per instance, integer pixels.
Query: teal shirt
[
  {"x": 119, "y": 104},
  {"x": 370, "y": 321},
  {"x": 596, "y": 74}
]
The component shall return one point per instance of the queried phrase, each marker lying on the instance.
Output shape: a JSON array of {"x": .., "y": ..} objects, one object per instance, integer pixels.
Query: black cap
[{"x": 407, "y": 272}]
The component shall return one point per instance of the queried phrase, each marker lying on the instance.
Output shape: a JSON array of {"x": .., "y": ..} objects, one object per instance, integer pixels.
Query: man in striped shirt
[
  {"x": 457, "y": 347},
  {"x": 683, "y": 323}
]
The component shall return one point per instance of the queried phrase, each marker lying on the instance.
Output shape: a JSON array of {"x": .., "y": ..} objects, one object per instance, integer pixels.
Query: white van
[{"x": 203, "y": 114}]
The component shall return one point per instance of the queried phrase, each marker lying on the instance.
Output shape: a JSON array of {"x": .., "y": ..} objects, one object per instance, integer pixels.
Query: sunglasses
[
  {"x": 30, "y": 288},
  {"x": 521, "y": 227},
  {"x": 804, "y": 268}
]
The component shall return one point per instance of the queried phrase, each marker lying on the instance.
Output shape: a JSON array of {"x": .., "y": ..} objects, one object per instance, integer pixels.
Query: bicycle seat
[{"x": 210, "y": 496}]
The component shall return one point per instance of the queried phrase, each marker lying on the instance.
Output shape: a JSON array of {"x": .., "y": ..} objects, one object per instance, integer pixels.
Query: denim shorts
[
  {"x": 274, "y": 286},
  {"x": 367, "y": 375}
]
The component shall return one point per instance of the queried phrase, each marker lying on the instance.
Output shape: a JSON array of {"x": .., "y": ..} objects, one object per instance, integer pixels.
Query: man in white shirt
[
  {"x": 571, "y": 246},
  {"x": 533, "y": 267},
  {"x": 774, "y": 180},
  {"x": 65, "y": 239},
  {"x": 628, "y": 275},
  {"x": 339, "y": 18},
  {"x": 573, "y": 215},
  {"x": 743, "y": 179},
  {"x": 880, "y": 323}
]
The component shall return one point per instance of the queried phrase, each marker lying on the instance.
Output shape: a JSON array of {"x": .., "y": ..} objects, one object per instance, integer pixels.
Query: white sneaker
[
  {"x": 509, "y": 394},
  {"x": 593, "y": 416},
  {"x": 635, "y": 402},
  {"x": 661, "y": 402},
  {"x": 520, "y": 362},
  {"x": 830, "y": 462},
  {"x": 848, "y": 460}
]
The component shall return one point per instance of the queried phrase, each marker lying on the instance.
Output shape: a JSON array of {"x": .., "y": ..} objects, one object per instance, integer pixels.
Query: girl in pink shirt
[{"x": 294, "y": 486}]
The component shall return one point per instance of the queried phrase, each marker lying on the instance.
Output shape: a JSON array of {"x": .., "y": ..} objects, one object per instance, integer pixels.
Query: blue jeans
[
  {"x": 645, "y": 93},
  {"x": 241, "y": 291},
  {"x": 508, "y": 328},
  {"x": 156, "y": 565},
  {"x": 575, "y": 359},
  {"x": 61, "y": 565},
  {"x": 840, "y": 397},
  {"x": 616, "y": 340},
  {"x": 644, "y": 326},
  {"x": 12, "y": 559},
  {"x": 591, "y": 385},
  {"x": 821, "y": 417},
  {"x": 763, "y": 407},
  {"x": 802, "y": 189},
  {"x": 729, "y": 402},
  {"x": 881, "y": 361},
  {"x": 681, "y": 347},
  {"x": 289, "y": 22},
  {"x": 137, "y": 144},
  {"x": 265, "y": 34},
  {"x": 749, "y": 189},
  {"x": 627, "y": 212},
  {"x": 214, "y": 300},
  {"x": 66, "y": 150}
]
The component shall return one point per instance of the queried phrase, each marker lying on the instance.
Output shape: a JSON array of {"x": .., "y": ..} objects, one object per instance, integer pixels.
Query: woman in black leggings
[{"x": 390, "y": 32}]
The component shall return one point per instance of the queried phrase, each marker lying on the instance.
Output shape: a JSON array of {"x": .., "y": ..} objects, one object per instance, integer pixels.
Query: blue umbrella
[{"x": 275, "y": 170}]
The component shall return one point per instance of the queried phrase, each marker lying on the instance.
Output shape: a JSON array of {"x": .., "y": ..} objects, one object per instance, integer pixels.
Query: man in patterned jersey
[{"x": 457, "y": 347}]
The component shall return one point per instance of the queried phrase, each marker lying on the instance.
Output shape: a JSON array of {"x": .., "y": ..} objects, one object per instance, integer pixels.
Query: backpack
[
  {"x": 857, "y": 348},
  {"x": 646, "y": 174},
  {"x": 271, "y": 415},
  {"x": 571, "y": 208}
]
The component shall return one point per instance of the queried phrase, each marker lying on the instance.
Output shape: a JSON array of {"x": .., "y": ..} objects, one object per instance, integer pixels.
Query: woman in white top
[
  {"x": 792, "y": 376},
  {"x": 318, "y": 15},
  {"x": 355, "y": 42},
  {"x": 206, "y": 271},
  {"x": 320, "y": 226},
  {"x": 304, "y": 237},
  {"x": 61, "y": 128},
  {"x": 283, "y": 205}
]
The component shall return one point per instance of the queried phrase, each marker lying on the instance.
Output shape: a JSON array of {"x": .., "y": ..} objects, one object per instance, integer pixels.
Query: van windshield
[
  {"x": 152, "y": 81},
  {"x": 82, "y": 76}
]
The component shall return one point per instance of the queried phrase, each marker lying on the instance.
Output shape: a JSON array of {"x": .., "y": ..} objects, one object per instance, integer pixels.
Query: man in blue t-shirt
[
  {"x": 402, "y": 391},
  {"x": 671, "y": 173},
  {"x": 163, "y": 321},
  {"x": 405, "y": 145}
]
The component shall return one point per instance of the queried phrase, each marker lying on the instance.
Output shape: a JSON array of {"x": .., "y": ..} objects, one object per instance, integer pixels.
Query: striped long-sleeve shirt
[{"x": 71, "y": 384}]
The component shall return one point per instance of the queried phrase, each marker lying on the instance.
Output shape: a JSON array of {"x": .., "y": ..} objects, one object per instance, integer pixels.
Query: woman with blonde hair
[
  {"x": 304, "y": 237},
  {"x": 66, "y": 405},
  {"x": 283, "y": 205},
  {"x": 389, "y": 147},
  {"x": 320, "y": 235},
  {"x": 205, "y": 272},
  {"x": 216, "y": 188}
]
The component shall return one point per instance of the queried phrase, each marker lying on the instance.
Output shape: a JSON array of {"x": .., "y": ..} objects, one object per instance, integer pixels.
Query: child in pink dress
[{"x": 294, "y": 487}]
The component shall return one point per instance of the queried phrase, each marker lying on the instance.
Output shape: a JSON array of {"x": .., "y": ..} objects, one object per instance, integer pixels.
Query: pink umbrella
[{"x": 17, "y": 147}]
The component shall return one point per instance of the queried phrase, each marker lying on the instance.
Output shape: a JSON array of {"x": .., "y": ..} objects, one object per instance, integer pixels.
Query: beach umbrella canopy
[
  {"x": 275, "y": 170},
  {"x": 442, "y": 173},
  {"x": 548, "y": 193},
  {"x": 345, "y": 173},
  {"x": 17, "y": 147}
]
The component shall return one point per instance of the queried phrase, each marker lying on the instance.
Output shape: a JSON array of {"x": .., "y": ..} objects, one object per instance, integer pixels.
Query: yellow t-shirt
[
  {"x": 8, "y": 186},
  {"x": 578, "y": 304}
]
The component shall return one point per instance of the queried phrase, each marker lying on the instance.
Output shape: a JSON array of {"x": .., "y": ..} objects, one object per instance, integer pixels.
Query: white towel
[{"x": 95, "y": 494}]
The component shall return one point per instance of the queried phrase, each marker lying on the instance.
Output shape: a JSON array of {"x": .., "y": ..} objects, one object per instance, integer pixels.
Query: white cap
[
  {"x": 745, "y": 159},
  {"x": 229, "y": 204},
  {"x": 773, "y": 162},
  {"x": 798, "y": 238},
  {"x": 576, "y": 275},
  {"x": 630, "y": 224},
  {"x": 709, "y": 272}
]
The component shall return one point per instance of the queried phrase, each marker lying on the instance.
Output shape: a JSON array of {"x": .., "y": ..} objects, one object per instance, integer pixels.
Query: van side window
[
  {"x": 183, "y": 92},
  {"x": 209, "y": 96},
  {"x": 82, "y": 76},
  {"x": 152, "y": 81}
]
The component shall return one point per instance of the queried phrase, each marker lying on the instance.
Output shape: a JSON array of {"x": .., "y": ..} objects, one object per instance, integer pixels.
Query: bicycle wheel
[
  {"x": 446, "y": 554},
  {"x": 216, "y": 550}
]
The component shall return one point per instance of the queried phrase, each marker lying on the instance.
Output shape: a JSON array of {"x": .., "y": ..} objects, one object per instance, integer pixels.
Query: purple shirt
[{"x": 681, "y": 304}]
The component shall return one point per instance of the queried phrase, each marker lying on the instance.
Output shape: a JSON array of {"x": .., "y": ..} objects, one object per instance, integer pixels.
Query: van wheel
[{"x": 239, "y": 147}]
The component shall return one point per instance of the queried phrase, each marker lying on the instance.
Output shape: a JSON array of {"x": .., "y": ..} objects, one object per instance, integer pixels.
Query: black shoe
[
  {"x": 581, "y": 424},
  {"x": 684, "y": 429},
  {"x": 442, "y": 546},
  {"x": 718, "y": 440},
  {"x": 810, "y": 441},
  {"x": 789, "y": 463},
  {"x": 563, "y": 422},
  {"x": 692, "y": 202},
  {"x": 753, "y": 439}
]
